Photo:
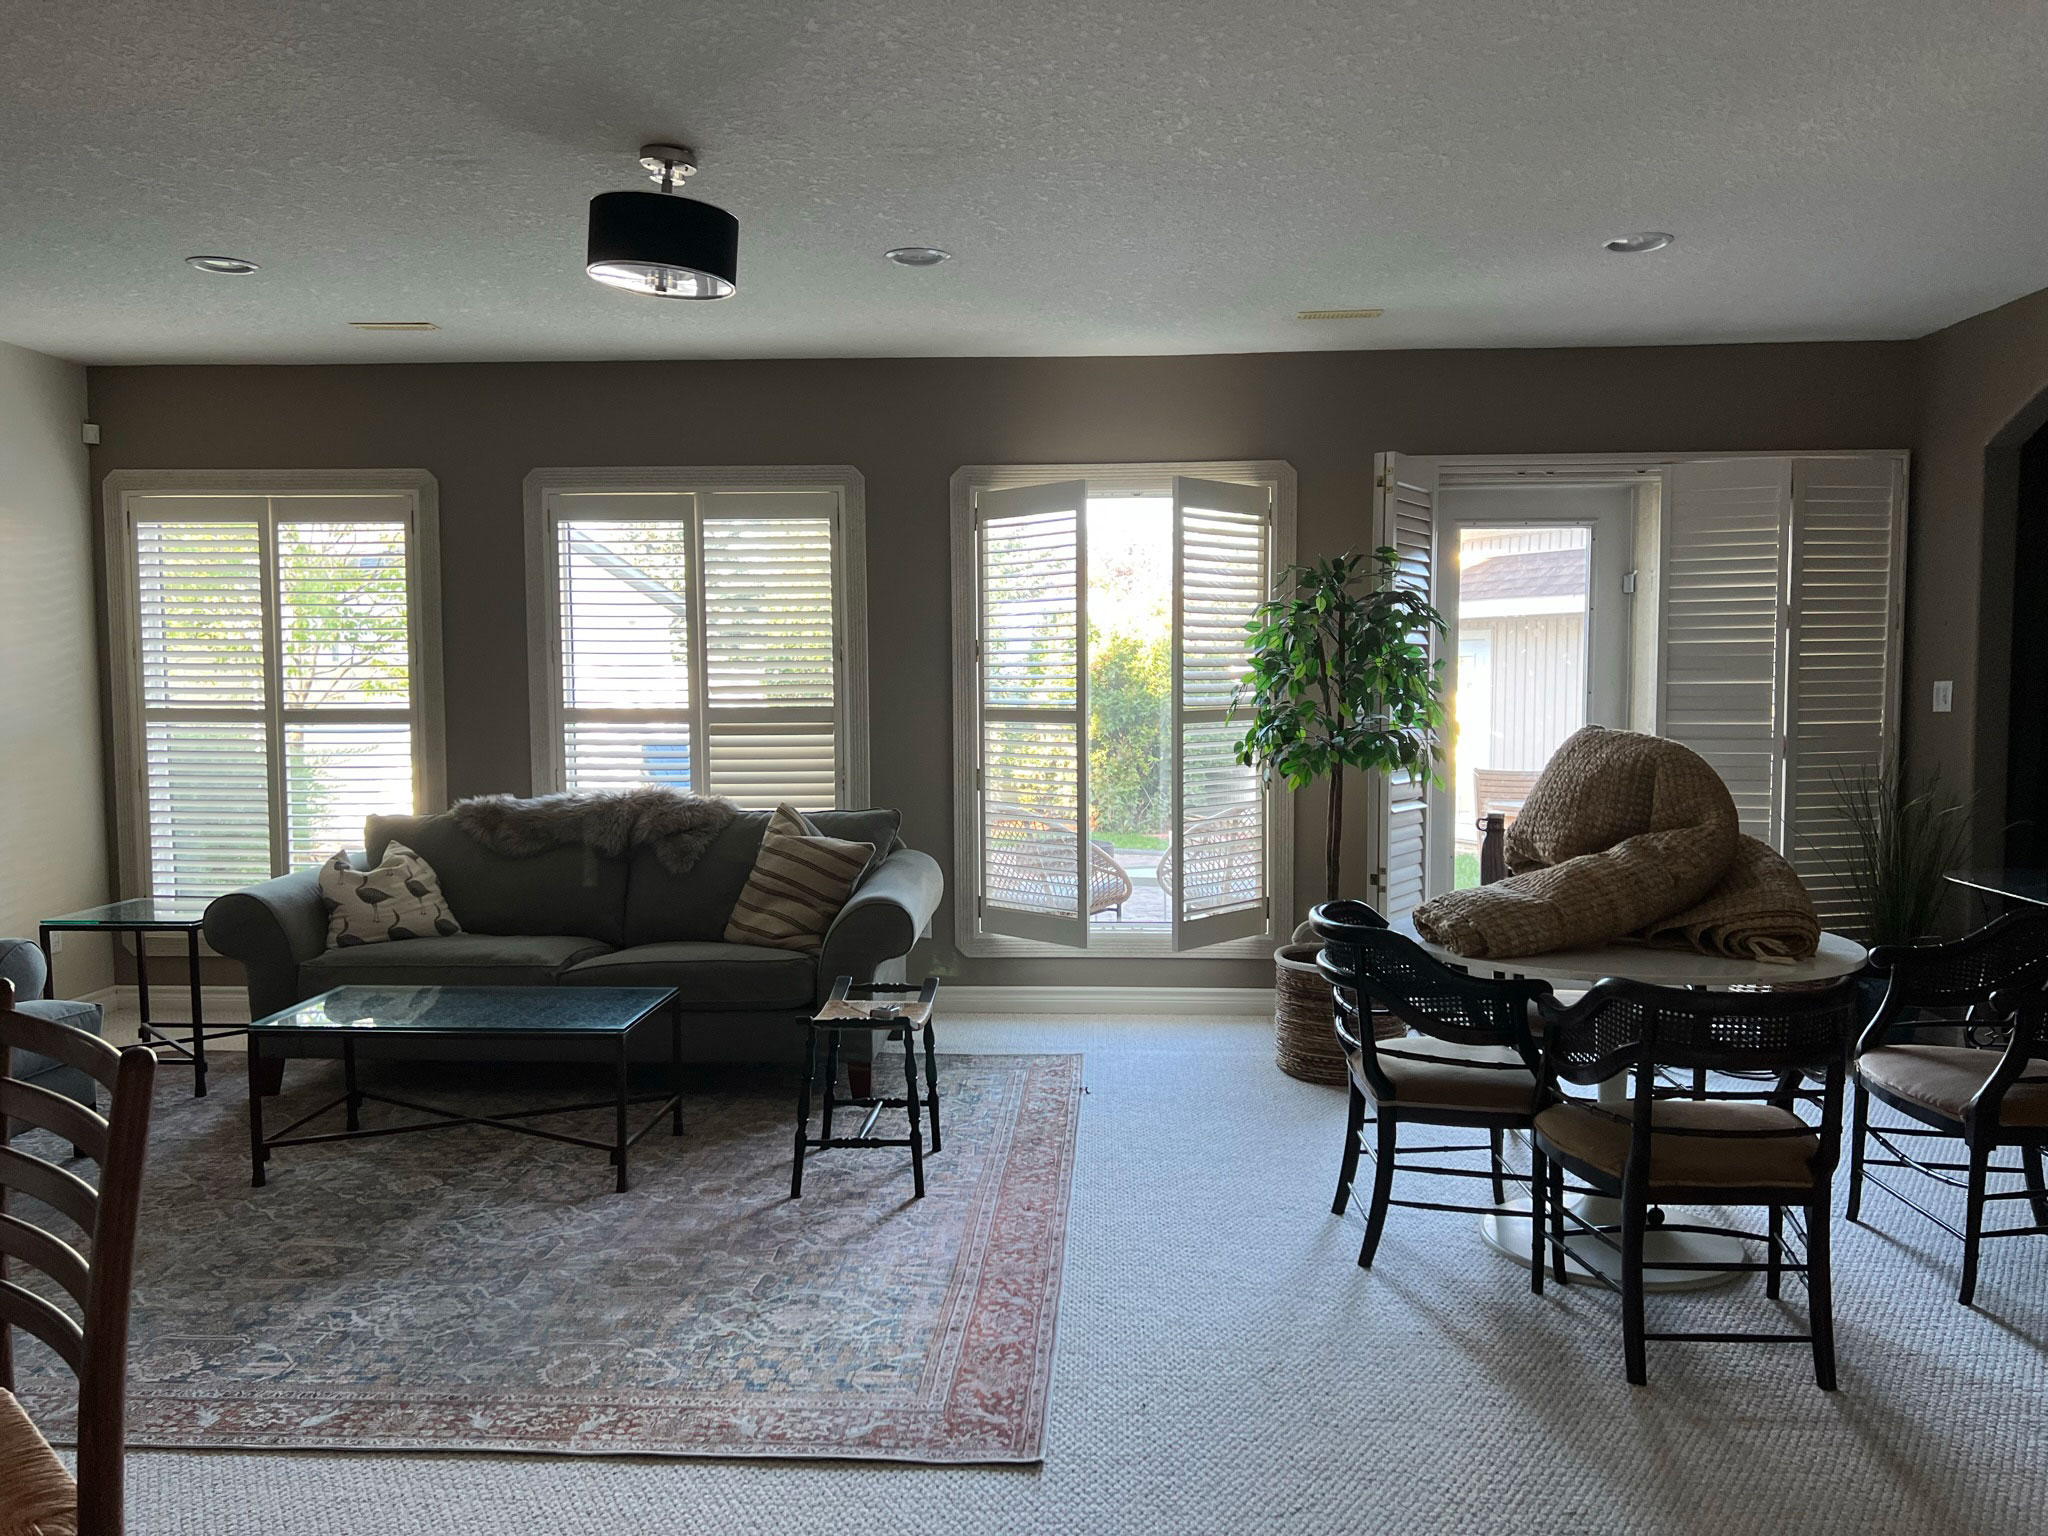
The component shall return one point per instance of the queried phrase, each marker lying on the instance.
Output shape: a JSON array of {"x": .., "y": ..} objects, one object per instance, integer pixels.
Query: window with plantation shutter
[
  {"x": 697, "y": 633},
  {"x": 1782, "y": 585},
  {"x": 269, "y": 661},
  {"x": 1099, "y": 621}
]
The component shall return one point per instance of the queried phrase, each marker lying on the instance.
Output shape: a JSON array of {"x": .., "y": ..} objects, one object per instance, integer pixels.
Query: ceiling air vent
[
  {"x": 392, "y": 325},
  {"x": 1338, "y": 314}
]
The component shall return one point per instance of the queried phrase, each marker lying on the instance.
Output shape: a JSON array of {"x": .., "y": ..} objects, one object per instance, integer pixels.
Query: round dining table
[{"x": 1507, "y": 1228}]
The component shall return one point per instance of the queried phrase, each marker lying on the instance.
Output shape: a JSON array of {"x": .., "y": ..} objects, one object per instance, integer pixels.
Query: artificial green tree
[{"x": 1341, "y": 677}]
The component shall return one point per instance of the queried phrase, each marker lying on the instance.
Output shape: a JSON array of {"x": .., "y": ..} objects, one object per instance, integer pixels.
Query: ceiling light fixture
[
  {"x": 660, "y": 244},
  {"x": 222, "y": 266},
  {"x": 1639, "y": 242},
  {"x": 1338, "y": 314},
  {"x": 392, "y": 325},
  {"x": 918, "y": 255}
]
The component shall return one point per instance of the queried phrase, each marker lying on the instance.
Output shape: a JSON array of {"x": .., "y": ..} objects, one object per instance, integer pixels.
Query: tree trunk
[{"x": 1336, "y": 831}]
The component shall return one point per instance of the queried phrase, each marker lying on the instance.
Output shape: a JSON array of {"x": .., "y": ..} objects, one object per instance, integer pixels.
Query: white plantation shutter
[
  {"x": 1844, "y": 623},
  {"x": 1032, "y": 667},
  {"x": 698, "y": 643},
  {"x": 273, "y": 651},
  {"x": 1723, "y": 581},
  {"x": 1221, "y": 540},
  {"x": 770, "y": 648},
  {"x": 1404, "y": 519}
]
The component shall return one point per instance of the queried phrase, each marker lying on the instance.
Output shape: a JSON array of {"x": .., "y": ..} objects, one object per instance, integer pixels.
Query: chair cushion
[
  {"x": 709, "y": 978},
  {"x": 36, "y": 1493},
  {"x": 1599, "y": 1139},
  {"x": 456, "y": 960},
  {"x": 661, "y": 906},
  {"x": 1944, "y": 1078},
  {"x": 1451, "y": 1078},
  {"x": 58, "y": 1010}
]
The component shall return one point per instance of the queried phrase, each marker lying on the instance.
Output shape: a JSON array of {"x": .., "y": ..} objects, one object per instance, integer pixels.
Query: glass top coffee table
[
  {"x": 147, "y": 915},
  {"x": 602, "y": 1017}
]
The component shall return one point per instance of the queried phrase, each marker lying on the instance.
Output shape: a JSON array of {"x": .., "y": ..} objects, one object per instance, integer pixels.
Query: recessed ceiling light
[
  {"x": 918, "y": 255},
  {"x": 1642, "y": 240},
  {"x": 222, "y": 266},
  {"x": 392, "y": 325},
  {"x": 1338, "y": 314}
]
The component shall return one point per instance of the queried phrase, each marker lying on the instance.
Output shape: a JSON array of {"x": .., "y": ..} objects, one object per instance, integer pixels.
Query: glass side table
[{"x": 147, "y": 915}]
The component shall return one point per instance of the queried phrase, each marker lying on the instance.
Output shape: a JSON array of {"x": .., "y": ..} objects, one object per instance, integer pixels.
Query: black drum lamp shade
[{"x": 661, "y": 244}]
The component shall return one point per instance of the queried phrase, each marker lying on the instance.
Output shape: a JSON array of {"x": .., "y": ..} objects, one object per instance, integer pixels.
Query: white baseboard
[
  {"x": 1190, "y": 1002},
  {"x": 226, "y": 1005}
]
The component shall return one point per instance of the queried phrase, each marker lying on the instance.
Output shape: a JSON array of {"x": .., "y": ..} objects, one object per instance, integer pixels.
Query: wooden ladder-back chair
[{"x": 36, "y": 1493}]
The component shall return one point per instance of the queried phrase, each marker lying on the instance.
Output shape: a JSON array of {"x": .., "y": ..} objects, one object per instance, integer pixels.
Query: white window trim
[
  {"x": 1103, "y": 941},
  {"x": 849, "y": 594},
  {"x": 423, "y": 602}
]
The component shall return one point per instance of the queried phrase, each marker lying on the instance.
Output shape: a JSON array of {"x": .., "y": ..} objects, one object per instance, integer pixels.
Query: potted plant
[
  {"x": 1341, "y": 677},
  {"x": 1899, "y": 839}
]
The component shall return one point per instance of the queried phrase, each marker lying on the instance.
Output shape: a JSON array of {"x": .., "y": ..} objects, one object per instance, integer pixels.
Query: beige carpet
[{"x": 1223, "y": 1368}]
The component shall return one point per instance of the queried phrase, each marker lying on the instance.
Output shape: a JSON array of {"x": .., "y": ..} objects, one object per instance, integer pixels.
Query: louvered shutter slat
[
  {"x": 624, "y": 594},
  {"x": 1404, "y": 520},
  {"x": 343, "y": 625}
]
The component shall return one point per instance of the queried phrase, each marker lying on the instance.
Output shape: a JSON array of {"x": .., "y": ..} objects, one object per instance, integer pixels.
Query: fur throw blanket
[
  {"x": 677, "y": 826},
  {"x": 1620, "y": 831},
  {"x": 1759, "y": 911}
]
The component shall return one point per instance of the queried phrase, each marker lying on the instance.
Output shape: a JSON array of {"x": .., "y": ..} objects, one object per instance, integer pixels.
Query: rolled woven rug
[
  {"x": 1759, "y": 911},
  {"x": 1619, "y": 831}
]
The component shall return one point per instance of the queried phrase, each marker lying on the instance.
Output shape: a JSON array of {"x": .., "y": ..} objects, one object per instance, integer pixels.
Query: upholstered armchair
[{"x": 21, "y": 962}]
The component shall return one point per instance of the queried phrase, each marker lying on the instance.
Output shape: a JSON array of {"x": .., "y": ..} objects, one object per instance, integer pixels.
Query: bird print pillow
[{"x": 399, "y": 899}]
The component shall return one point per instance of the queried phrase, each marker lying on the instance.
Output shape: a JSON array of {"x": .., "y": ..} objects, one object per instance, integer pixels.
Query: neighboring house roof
[{"x": 1535, "y": 573}]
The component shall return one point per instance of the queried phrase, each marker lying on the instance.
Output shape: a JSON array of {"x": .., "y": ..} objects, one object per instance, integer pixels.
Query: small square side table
[
  {"x": 147, "y": 915},
  {"x": 869, "y": 1006}
]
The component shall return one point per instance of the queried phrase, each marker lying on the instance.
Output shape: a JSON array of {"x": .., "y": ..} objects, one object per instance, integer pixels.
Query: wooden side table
[{"x": 869, "y": 1007}]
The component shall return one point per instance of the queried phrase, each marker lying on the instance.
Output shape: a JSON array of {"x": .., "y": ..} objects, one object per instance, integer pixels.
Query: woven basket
[{"x": 1305, "y": 1022}]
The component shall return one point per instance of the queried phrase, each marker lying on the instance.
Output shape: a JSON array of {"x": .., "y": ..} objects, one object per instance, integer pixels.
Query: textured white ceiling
[{"x": 1134, "y": 178}]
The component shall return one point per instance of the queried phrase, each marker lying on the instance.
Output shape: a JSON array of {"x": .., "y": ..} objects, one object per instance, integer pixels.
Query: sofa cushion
[
  {"x": 454, "y": 960},
  {"x": 662, "y": 907},
  {"x": 570, "y": 891},
  {"x": 710, "y": 978}
]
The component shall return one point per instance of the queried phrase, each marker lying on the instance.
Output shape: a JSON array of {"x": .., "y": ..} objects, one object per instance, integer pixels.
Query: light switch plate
[
  {"x": 1944, "y": 696},
  {"x": 92, "y": 432}
]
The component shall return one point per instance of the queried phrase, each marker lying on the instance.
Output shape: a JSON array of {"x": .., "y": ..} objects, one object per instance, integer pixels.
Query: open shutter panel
[
  {"x": 1723, "y": 577},
  {"x": 1842, "y": 678},
  {"x": 769, "y": 648},
  {"x": 1033, "y": 665},
  {"x": 1221, "y": 536},
  {"x": 1404, "y": 519}
]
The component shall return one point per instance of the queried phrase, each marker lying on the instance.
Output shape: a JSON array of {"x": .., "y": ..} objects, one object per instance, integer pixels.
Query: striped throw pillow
[{"x": 799, "y": 883}]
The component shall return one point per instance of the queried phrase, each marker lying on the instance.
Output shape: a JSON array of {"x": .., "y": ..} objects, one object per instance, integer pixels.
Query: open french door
[
  {"x": 1398, "y": 805},
  {"x": 1032, "y": 663}
]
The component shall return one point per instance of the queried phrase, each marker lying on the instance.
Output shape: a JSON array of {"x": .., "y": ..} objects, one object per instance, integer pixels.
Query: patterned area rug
[{"x": 473, "y": 1290}]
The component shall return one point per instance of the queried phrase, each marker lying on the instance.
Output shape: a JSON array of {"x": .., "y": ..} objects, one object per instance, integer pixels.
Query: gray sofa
[
  {"x": 21, "y": 962},
  {"x": 573, "y": 917}
]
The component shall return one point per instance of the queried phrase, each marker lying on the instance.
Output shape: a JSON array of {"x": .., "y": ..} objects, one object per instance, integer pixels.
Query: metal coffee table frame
[
  {"x": 867, "y": 1007},
  {"x": 353, "y": 1097},
  {"x": 187, "y": 1052}
]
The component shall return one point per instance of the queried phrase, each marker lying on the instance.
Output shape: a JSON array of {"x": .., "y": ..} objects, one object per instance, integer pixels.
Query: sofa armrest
[
  {"x": 21, "y": 962},
  {"x": 272, "y": 928},
  {"x": 886, "y": 916}
]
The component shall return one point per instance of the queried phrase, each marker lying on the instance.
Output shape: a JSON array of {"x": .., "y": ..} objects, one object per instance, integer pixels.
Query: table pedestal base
[{"x": 1507, "y": 1229}]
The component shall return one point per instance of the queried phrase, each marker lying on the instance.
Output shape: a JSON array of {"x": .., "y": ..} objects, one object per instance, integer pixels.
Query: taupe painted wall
[
  {"x": 53, "y": 856},
  {"x": 907, "y": 425},
  {"x": 1983, "y": 392}
]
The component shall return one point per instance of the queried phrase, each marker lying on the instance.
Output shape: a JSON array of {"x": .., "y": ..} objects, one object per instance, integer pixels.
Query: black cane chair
[
  {"x": 1987, "y": 1099},
  {"x": 36, "y": 1491},
  {"x": 1935, "y": 983},
  {"x": 1733, "y": 1149},
  {"x": 1470, "y": 1061}
]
